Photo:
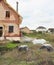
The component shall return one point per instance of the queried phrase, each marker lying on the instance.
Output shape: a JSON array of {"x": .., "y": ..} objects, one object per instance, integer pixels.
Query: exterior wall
[
  {"x": 3, "y": 13},
  {"x": 13, "y": 38},
  {"x": 5, "y": 32},
  {"x": 1, "y": 38},
  {"x": 41, "y": 30},
  {"x": 6, "y": 28},
  {"x": 26, "y": 30},
  {"x": 16, "y": 28}
]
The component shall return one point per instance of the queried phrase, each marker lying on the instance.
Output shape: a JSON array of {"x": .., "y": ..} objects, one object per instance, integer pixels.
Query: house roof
[
  {"x": 51, "y": 29},
  {"x": 25, "y": 27},
  {"x": 41, "y": 27},
  {"x": 3, "y": 0},
  {"x": 19, "y": 16}
]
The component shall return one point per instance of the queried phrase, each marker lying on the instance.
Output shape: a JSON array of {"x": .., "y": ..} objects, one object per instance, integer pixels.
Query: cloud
[{"x": 35, "y": 12}]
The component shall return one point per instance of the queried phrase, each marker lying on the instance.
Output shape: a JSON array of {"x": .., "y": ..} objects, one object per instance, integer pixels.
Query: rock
[
  {"x": 47, "y": 46},
  {"x": 23, "y": 48}
]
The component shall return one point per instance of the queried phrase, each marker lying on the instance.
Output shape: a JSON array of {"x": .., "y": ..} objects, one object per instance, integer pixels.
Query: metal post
[{"x": 17, "y": 7}]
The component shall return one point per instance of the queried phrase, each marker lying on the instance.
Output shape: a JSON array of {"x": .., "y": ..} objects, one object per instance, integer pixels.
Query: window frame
[
  {"x": 7, "y": 14},
  {"x": 11, "y": 29}
]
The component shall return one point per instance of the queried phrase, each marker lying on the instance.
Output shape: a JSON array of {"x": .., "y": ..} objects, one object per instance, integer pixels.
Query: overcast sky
[{"x": 35, "y": 12}]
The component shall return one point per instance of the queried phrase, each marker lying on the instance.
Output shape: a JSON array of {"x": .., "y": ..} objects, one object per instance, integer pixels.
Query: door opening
[{"x": 1, "y": 31}]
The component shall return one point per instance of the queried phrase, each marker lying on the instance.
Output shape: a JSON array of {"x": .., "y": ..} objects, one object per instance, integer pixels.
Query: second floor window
[{"x": 8, "y": 14}]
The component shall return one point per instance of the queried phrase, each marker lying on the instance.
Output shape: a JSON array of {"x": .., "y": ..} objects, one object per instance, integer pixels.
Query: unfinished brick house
[
  {"x": 26, "y": 30},
  {"x": 10, "y": 21}
]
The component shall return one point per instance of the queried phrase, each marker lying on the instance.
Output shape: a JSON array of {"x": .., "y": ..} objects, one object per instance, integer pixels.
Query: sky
[{"x": 35, "y": 12}]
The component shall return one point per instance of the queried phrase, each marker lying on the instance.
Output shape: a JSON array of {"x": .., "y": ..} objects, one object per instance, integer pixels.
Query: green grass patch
[{"x": 11, "y": 45}]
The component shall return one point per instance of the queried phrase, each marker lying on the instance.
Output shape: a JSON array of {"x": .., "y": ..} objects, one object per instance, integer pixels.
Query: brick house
[
  {"x": 10, "y": 21},
  {"x": 26, "y": 30}
]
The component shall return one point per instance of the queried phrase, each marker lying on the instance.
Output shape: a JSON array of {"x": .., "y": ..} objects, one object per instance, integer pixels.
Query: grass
[
  {"x": 27, "y": 58},
  {"x": 46, "y": 36},
  {"x": 33, "y": 57},
  {"x": 10, "y": 45}
]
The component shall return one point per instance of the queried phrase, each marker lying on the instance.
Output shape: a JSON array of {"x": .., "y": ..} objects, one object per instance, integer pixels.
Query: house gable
[
  {"x": 3, "y": 13},
  {"x": 13, "y": 14}
]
